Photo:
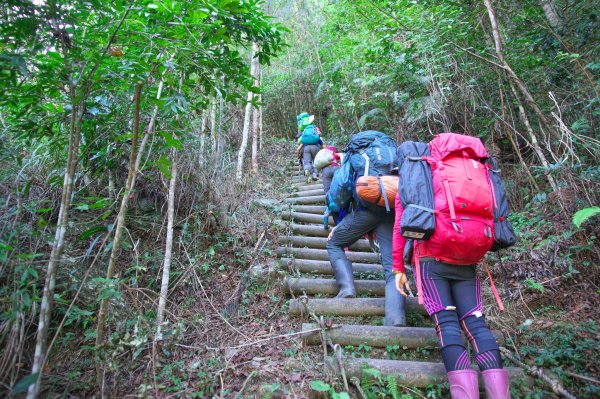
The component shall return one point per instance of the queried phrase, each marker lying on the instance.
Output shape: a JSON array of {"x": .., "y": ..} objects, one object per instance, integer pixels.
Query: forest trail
[{"x": 351, "y": 325}]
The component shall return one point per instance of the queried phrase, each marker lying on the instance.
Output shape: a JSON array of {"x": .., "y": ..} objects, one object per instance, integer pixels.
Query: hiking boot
[
  {"x": 344, "y": 278},
  {"x": 307, "y": 175},
  {"x": 394, "y": 305},
  {"x": 463, "y": 384},
  {"x": 315, "y": 176},
  {"x": 496, "y": 384}
]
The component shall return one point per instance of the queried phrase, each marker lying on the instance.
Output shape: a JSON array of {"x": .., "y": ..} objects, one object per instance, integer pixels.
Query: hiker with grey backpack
[
  {"x": 370, "y": 156},
  {"x": 451, "y": 209}
]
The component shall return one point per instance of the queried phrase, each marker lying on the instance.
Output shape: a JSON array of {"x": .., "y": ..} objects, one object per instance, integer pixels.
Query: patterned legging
[{"x": 452, "y": 297}]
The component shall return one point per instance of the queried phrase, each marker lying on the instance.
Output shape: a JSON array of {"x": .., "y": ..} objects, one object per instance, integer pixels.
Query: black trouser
[{"x": 357, "y": 224}]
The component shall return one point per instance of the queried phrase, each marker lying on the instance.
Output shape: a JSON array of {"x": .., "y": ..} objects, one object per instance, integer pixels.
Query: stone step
[
  {"x": 347, "y": 306},
  {"x": 307, "y": 193},
  {"x": 316, "y": 209},
  {"x": 321, "y": 254},
  {"x": 305, "y": 217},
  {"x": 327, "y": 286},
  {"x": 379, "y": 336},
  {"x": 407, "y": 373},
  {"x": 324, "y": 267},
  {"x": 313, "y": 200},
  {"x": 361, "y": 245}
]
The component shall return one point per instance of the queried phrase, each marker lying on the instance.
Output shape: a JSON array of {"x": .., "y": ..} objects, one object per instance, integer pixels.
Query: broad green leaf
[
  {"x": 319, "y": 386},
  {"x": 164, "y": 165},
  {"x": 24, "y": 383},
  {"x": 584, "y": 214}
]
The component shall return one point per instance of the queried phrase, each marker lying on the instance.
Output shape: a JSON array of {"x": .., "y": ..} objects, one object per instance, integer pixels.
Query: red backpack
[{"x": 463, "y": 199}]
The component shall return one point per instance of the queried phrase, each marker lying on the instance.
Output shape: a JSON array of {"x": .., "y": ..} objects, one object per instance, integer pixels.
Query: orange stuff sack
[{"x": 368, "y": 189}]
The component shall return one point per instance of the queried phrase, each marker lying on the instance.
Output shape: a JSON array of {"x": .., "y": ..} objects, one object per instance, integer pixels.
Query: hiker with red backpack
[
  {"x": 309, "y": 140},
  {"x": 370, "y": 155},
  {"x": 451, "y": 209}
]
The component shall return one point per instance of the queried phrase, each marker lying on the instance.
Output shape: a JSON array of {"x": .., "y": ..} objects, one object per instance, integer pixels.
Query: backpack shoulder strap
[{"x": 367, "y": 161}]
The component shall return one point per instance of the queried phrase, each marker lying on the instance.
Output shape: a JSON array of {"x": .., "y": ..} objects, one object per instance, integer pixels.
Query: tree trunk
[
  {"x": 202, "y": 137},
  {"x": 213, "y": 124},
  {"x": 552, "y": 16},
  {"x": 513, "y": 80},
  {"x": 260, "y": 120},
  {"x": 247, "y": 115},
  {"x": 135, "y": 158},
  {"x": 164, "y": 287},
  {"x": 255, "y": 126},
  {"x": 58, "y": 246}
]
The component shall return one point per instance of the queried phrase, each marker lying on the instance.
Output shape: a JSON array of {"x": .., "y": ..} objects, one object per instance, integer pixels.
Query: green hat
[{"x": 305, "y": 119}]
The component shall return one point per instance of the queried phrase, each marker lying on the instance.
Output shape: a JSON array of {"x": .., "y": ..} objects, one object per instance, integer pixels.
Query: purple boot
[
  {"x": 496, "y": 384},
  {"x": 463, "y": 384}
]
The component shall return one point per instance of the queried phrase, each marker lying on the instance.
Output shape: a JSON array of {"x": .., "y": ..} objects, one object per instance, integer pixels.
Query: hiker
[
  {"x": 309, "y": 140},
  {"x": 445, "y": 244},
  {"x": 328, "y": 162},
  {"x": 370, "y": 154}
]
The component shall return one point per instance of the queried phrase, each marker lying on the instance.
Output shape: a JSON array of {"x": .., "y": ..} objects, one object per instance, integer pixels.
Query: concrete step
[
  {"x": 313, "y": 200},
  {"x": 305, "y": 217},
  {"x": 347, "y": 306},
  {"x": 321, "y": 254},
  {"x": 406, "y": 373},
  {"x": 361, "y": 245},
  {"x": 327, "y": 286},
  {"x": 324, "y": 267}
]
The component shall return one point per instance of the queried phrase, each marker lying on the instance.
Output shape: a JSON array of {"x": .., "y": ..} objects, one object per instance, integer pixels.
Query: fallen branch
[{"x": 538, "y": 372}]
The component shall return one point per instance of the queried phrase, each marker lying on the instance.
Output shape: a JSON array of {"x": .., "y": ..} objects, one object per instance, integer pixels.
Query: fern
[{"x": 392, "y": 386}]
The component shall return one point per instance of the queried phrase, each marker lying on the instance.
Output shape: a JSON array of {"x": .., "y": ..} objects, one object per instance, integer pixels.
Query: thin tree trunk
[
  {"x": 134, "y": 162},
  {"x": 513, "y": 80},
  {"x": 247, "y": 115},
  {"x": 260, "y": 120},
  {"x": 551, "y": 15},
  {"x": 202, "y": 137},
  {"x": 509, "y": 71},
  {"x": 255, "y": 126},
  {"x": 164, "y": 287},
  {"x": 213, "y": 123},
  {"x": 59, "y": 244}
]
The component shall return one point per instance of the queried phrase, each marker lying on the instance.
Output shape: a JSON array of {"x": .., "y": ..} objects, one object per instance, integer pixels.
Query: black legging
[{"x": 452, "y": 297}]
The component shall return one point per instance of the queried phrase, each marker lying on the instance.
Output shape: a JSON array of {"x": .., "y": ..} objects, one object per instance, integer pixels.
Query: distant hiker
[
  {"x": 309, "y": 139},
  {"x": 452, "y": 207},
  {"x": 328, "y": 162},
  {"x": 369, "y": 154}
]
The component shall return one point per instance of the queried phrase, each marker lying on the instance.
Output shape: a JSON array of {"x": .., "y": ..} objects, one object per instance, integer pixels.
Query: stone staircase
[{"x": 350, "y": 322}]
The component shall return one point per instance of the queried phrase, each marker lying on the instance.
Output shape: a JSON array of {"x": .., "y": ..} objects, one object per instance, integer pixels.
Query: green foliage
[
  {"x": 584, "y": 214},
  {"x": 321, "y": 386},
  {"x": 564, "y": 348}
]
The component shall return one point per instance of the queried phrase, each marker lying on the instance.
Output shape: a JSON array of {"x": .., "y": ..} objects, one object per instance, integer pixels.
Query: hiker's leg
[
  {"x": 313, "y": 152},
  {"x": 440, "y": 304},
  {"x": 467, "y": 294},
  {"x": 394, "y": 302},
  {"x": 350, "y": 229}
]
